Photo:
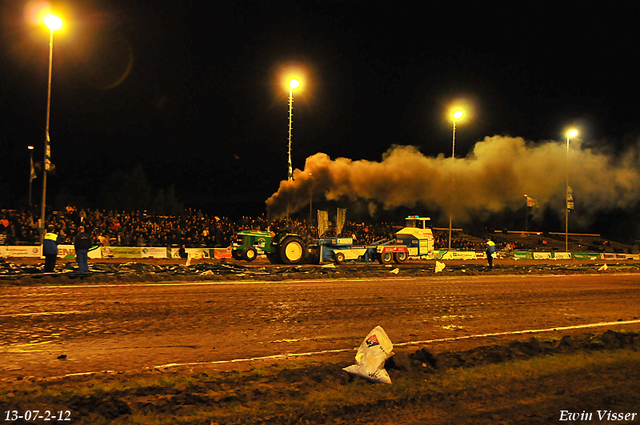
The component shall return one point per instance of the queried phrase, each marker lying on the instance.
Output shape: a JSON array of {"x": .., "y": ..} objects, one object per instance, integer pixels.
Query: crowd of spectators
[
  {"x": 192, "y": 228},
  {"x": 120, "y": 228},
  {"x": 441, "y": 240}
]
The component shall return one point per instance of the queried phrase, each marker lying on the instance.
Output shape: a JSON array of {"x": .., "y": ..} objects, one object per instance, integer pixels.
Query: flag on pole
[
  {"x": 532, "y": 202},
  {"x": 570, "y": 204},
  {"x": 323, "y": 222},
  {"x": 47, "y": 159},
  {"x": 341, "y": 218},
  {"x": 33, "y": 170}
]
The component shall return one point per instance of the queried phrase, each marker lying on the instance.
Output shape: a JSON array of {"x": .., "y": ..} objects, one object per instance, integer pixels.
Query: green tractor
[{"x": 280, "y": 248}]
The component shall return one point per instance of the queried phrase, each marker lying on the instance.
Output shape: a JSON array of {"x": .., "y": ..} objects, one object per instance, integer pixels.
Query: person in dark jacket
[
  {"x": 50, "y": 249},
  {"x": 82, "y": 244}
]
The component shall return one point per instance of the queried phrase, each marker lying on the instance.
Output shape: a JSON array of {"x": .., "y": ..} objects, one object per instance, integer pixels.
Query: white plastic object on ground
[
  {"x": 372, "y": 353},
  {"x": 439, "y": 266}
]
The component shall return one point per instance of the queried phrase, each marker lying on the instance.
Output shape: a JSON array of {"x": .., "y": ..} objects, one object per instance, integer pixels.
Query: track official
[
  {"x": 82, "y": 243},
  {"x": 50, "y": 249},
  {"x": 491, "y": 249}
]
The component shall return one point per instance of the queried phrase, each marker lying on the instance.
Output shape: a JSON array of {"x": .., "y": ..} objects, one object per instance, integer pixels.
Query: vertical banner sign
[
  {"x": 33, "y": 170},
  {"x": 569, "y": 199},
  {"x": 47, "y": 162},
  {"x": 323, "y": 222},
  {"x": 340, "y": 220}
]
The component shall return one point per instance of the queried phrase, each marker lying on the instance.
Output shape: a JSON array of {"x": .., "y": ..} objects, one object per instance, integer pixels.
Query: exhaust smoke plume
[{"x": 494, "y": 177}]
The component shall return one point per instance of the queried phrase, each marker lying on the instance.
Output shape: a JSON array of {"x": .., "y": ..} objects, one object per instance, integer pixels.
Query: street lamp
[
  {"x": 456, "y": 115},
  {"x": 311, "y": 200},
  {"x": 32, "y": 171},
  {"x": 54, "y": 23},
  {"x": 526, "y": 215},
  {"x": 293, "y": 83},
  {"x": 568, "y": 195}
]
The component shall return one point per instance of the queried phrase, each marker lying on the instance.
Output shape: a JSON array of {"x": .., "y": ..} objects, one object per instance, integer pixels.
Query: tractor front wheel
[{"x": 249, "y": 254}]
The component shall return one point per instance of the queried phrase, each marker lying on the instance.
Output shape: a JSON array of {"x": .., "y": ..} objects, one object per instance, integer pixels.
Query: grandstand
[
  {"x": 195, "y": 229},
  {"x": 577, "y": 242}
]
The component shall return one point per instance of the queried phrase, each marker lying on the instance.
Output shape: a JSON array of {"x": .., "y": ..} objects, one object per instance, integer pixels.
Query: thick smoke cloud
[{"x": 492, "y": 178}]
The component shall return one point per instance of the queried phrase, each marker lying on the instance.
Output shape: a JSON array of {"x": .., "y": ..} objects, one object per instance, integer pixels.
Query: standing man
[
  {"x": 82, "y": 243},
  {"x": 491, "y": 249},
  {"x": 50, "y": 249},
  {"x": 182, "y": 252}
]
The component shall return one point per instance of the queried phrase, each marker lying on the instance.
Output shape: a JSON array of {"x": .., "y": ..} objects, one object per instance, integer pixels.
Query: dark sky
[{"x": 191, "y": 90}]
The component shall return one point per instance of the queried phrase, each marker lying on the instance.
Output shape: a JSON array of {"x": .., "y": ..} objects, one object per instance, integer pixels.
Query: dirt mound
[
  {"x": 313, "y": 393},
  {"x": 169, "y": 270},
  {"x": 424, "y": 361}
]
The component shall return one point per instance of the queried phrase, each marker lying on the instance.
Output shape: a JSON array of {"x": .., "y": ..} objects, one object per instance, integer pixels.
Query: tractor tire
[
  {"x": 249, "y": 254},
  {"x": 292, "y": 250},
  {"x": 385, "y": 257},
  {"x": 340, "y": 258},
  {"x": 237, "y": 254},
  {"x": 400, "y": 257}
]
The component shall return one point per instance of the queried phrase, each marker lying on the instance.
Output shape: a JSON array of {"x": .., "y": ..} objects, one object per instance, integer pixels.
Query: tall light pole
[
  {"x": 526, "y": 215},
  {"x": 456, "y": 115},
  {"x": 31, "y": 171},
  {"x": 293, "y": 83},
  {"x": 310, "y": 200},
  {"x": 570, "y": 134},
  {"x": 54, "y": 23}
]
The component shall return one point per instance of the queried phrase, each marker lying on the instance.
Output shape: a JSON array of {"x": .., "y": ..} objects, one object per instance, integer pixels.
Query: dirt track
[
  {"x": 134, "y": 326},
  {"x": 68, "y": 324}
]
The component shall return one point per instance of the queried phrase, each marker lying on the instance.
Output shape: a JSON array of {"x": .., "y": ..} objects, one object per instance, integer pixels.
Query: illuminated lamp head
[{"x": 53, "y": 22}]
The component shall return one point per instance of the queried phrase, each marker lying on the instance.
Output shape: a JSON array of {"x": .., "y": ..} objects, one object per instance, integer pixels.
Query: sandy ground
[
  {"x": 129, "y": 322},
  {"x": 110, "y": 319}
]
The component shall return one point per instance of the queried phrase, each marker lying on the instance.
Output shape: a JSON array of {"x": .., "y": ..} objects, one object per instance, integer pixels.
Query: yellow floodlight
[
  {"x": 53, "y": 22},
  {"x": 458, "y": 114},
  {"x": 572, "y": 133},
  {"x": 293, "y": 83}
]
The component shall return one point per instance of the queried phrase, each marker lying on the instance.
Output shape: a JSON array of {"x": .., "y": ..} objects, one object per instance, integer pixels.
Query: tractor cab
[
  {"x": 417, "y": 222},
  {"x": 417, "y": 236}
]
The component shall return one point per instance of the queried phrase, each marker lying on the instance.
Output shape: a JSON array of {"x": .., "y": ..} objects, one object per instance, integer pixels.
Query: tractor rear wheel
[{"x": 292, "y": 250}]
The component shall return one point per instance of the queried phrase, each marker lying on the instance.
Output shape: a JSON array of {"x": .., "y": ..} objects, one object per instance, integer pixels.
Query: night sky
[{"x": 193, "y": 90}]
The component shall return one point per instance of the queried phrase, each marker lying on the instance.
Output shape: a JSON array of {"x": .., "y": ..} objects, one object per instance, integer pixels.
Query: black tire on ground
[
  {"x": 400, "y": 257},
  {"x": 385, "y": 257},
  {"x": 249, "y": 253},
  {"x": 340, "y": 258},
  {"x": 273, "y": 258},
  {"x": 292, "y": 250},
  {"x": 237, "y": 254}
]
